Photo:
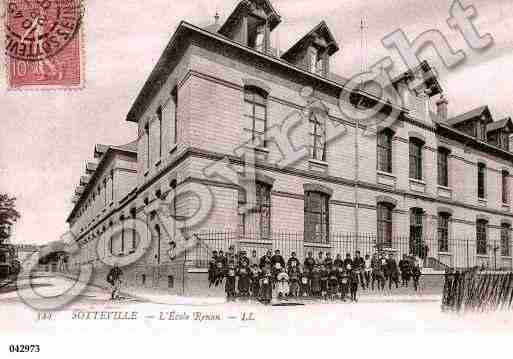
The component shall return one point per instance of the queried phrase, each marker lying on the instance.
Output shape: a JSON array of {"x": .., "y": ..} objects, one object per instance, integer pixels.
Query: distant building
[{"x": 25, "y": 253}]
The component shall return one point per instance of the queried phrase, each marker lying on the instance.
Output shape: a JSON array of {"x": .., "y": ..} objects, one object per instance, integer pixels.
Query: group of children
[{"x": 321, "y": 277}]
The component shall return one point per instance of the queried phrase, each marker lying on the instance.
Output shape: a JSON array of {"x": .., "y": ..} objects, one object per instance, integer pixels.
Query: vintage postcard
[{"x": 256, "y": 177}]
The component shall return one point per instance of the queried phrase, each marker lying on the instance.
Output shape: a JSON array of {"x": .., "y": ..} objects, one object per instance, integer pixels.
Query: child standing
[
  {"x": 244, "y": 279},
  {"x": 333, "y": 283},
  {"x": 229, "y": 286},
  {"x": 353, "y": 284},
  {"x": 343, "y": 281},
  {"x": 324, "y": 281},
  {"x": 316, "y": 281},
  {"x": 255, "y": 280}
]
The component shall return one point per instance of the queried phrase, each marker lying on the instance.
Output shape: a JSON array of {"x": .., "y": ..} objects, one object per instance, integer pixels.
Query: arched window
[
  {"x": 384, "y": 214},
  {"x": 255, "y": 115},
  {"x": 316, "y": 217},
  {"x": 385, "y": 150}
]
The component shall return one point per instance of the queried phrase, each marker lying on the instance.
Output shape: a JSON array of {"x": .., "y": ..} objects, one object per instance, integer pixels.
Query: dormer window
[
  {"x": 251, "y": 24},
  {"x": 313, "y": 51}
]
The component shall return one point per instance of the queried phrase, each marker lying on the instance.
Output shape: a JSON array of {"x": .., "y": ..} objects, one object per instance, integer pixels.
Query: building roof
[
  {"x": 168, "y": 60},
  {"x": 322, "y": 30},
  {"x": 499, "y": 125},
  {"x": 92, "y": 168},
  {"x": 470, "y": 115},
  {"x": 469, "y": 140}
]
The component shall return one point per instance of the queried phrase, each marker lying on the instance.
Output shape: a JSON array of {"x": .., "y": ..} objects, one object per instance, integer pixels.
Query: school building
[{"x": 212, "y": 114}]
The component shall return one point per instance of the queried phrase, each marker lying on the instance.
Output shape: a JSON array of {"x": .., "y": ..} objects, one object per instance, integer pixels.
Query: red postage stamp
[{"x": 43, "y": 44}]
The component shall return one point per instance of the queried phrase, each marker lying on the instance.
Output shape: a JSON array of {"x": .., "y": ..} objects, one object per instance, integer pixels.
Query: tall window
[
  {"x": 157, "y": 232},
  {"x": 260, "y": 38},
  {"x": 256, "y": 220},
  {"x": 159, "y": 119},
  {"x": 105, "y": 191},
  {"x": 170, "y": 113},
  {"x": 318, "y": 136},
  {"x": 316, "y": 217},
  {"x": 385, "y": 150},
  {"x": 505, "y": 187},
  {"x": 255, "y": 115},
  {"x": 443, "y": 232},
  {"x": 416, "y": 158},
  {"x": 443, "y": 169},
  {"x": 256, "y": 34},
  {"x": 504, "y": 140},
  {"x": 134, "y": 231},
  {"x": 385, "y": 225},
  {"x": 175, "y": 117},
  {"x": 505, "y": 240},
  {"x": 122, "y": 235},
  {"x": 481, "y": 236},
  {"x": 316, "y": 61},
  {"x": 416, "y": 232},
  {"x": 147, "y": 133},
  {"x": 481, "y": 172}
]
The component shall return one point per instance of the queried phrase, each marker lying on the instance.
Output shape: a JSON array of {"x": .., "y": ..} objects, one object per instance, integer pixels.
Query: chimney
[
  {"x": 216, "y": 18},
  {"x": 441, "y": 108}
]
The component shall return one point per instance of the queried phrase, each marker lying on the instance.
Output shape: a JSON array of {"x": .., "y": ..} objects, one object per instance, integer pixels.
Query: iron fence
[{"x": 437, "y": 254}]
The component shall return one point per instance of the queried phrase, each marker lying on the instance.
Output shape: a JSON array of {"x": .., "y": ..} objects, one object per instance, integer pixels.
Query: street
[{"x": 92, "y": 310}]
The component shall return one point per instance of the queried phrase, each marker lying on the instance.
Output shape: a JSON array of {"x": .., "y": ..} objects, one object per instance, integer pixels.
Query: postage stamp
[{"x": 43, "y": 44}]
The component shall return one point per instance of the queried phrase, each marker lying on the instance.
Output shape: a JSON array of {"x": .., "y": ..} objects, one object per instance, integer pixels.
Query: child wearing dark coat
[
  {"x": 255, "y": 281},
  {"x": 230, "y": 282},
  {"x": 324, "y": 281},
  {"x": 244, "y": 282},
  {"x": 294, "y": 277},
  {"x": 333, "y": 283},
  {"x": 266, "y": 285},
  {"x": 316, "y": 281},
  {"x": 353, "y": 284},
  {"x": 343, "y": 282},
  {"x": 305, "y": 282},
  {"x": 416, "y": 273}
]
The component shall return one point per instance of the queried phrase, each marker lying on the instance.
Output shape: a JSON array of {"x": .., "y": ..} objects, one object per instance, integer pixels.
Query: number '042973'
[{"x": 24, "y": 348}]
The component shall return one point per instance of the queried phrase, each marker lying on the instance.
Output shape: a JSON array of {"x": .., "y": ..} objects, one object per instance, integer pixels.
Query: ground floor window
[
  {"x": 385, "y": 225},
  {"x": 316, "y": 217},
  {"x": 443, "y": 232},
  {"x": 481, "y": 236},
  {"x": 417, "y": 247},
  {"x": 505, "y": 240},
  {"x": 255, "y": 219}
]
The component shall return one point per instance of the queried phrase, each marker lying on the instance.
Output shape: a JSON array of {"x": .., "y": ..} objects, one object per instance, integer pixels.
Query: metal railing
[{"x": 436, "y": 254}]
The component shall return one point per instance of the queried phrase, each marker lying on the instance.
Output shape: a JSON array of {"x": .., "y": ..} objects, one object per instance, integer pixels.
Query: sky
[{"x": 46, "y": 137}]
